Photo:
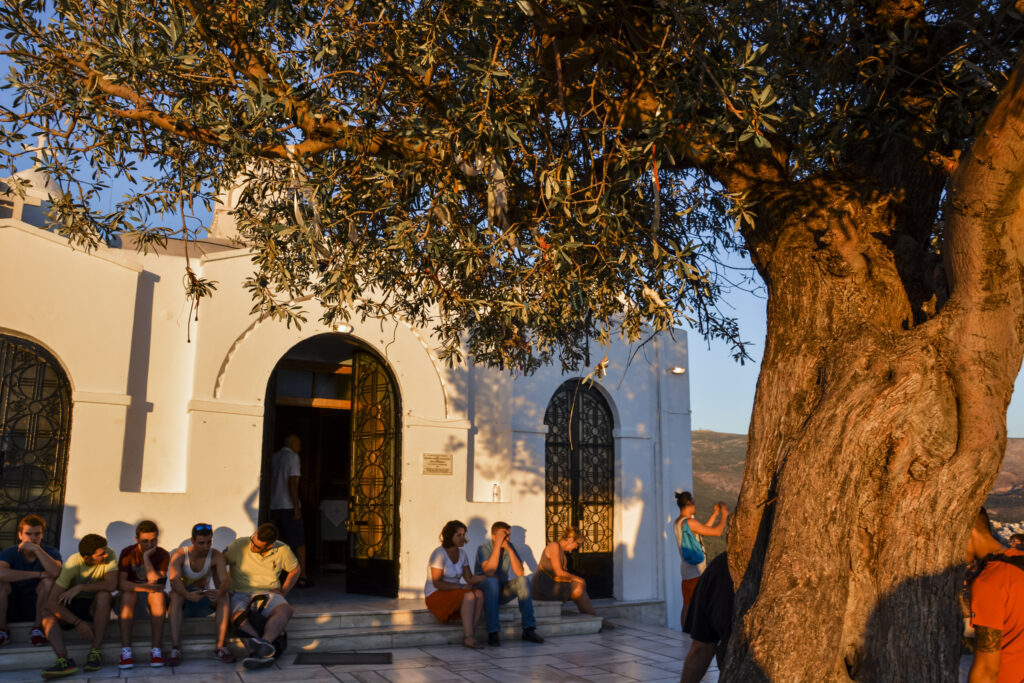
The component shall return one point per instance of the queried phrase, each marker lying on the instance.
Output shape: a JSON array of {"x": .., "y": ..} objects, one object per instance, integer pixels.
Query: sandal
[{"x": 472, "y": 643}]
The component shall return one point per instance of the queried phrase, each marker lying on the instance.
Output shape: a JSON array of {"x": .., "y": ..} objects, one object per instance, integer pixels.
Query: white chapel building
[{"x": 117, "y": 406}]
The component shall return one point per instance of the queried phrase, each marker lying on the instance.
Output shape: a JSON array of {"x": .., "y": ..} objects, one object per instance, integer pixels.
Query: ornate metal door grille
[
  {"x": 372, "y": 515},
  {"x": 580, "y": 478},
  {"x": 35, "y": 430}
]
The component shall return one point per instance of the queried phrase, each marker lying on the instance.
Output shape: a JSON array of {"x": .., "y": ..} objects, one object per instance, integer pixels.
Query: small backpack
[
  {"x": 254, "y": 615},
  {"x": 690, "y": 547}
]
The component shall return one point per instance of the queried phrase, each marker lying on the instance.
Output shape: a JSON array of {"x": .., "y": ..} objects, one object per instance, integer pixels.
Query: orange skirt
[
  {"x": 688, "y": 587},
  {"x": 445, "y": 605}
]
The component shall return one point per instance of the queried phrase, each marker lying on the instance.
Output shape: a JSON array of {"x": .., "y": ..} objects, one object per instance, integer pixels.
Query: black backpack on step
[{"x": 253, "y": 615}]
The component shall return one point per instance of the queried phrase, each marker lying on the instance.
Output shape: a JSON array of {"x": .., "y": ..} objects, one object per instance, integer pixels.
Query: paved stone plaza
[{"x": 632, "y": 652}]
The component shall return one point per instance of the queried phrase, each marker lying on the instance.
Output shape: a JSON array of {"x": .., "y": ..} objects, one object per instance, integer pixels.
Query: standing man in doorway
[{"x": 285, "y": 507}]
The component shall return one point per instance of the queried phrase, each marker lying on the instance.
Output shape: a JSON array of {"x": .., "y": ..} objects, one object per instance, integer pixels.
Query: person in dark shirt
[
  {"x": 142, "y": 569},
  {"x": 709, "y": 620},
  {"x": 27, "y": 572}
]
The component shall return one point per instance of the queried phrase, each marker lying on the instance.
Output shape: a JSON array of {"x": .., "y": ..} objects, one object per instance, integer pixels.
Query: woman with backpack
[{"x": 691, "y": 548}]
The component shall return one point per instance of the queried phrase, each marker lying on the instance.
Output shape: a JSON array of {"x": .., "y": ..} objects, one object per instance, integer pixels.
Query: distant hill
[
  {"x": 718, "y": 474},
  {"x": 1006, "y": 502}
]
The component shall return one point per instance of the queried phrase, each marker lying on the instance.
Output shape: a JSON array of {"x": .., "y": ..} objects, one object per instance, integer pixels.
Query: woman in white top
[
  {"x": 446, "y": 594},
  {"x": 685, "y": 524}
]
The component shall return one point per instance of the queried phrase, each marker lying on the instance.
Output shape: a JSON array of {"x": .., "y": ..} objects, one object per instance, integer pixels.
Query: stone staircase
[{"x": 332, "y": 628}]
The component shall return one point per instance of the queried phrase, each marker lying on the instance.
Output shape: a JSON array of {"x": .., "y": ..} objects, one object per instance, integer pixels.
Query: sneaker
[
  {"x": 5, "y": 637},
  {"x": 94, "y": 661},
  {"x": 223, "y": 654},
  {"x": 37, "y": 637},
  {"x": 530, "y": 635},
  {"x": 493, "y": 639},
  {"x": 126, "y": 659},
  {"x": 174, "y": 659},
  {"x": 257, "y": 662},
  {"x": 63, "y": 667},
  {"x": 261, "y": 654},
  {"x": 156, "y": 658},
  {"x": 261, "y": 649}
]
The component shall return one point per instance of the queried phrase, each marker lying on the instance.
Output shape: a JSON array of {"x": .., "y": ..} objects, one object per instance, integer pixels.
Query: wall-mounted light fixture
[{"x": 677, "y": 370}]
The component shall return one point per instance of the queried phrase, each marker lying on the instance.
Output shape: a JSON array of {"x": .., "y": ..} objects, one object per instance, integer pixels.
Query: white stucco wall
[{"x": 171, "y": 429}]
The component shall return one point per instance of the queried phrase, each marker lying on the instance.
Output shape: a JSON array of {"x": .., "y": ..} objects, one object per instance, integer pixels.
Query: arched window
[
  {"x": 35, "y": 430},
  {"x": 580, "y": 479}
]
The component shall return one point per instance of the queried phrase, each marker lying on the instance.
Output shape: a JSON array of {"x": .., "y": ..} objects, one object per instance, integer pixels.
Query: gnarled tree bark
[{"x": 880, "y": 419}]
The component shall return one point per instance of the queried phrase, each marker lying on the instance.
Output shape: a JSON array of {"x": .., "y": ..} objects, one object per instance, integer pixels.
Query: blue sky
[{"x": 722, "y": 390}]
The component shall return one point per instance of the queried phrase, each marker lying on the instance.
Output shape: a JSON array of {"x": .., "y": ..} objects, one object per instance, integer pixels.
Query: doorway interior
[{"x": 339, "y": 398}]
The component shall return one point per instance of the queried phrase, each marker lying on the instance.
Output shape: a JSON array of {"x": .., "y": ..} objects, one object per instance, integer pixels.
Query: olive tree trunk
[{"x": 877, "y": 430}]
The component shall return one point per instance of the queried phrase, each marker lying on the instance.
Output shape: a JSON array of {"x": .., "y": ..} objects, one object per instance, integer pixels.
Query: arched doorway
[
  {"x": 35, "y": 432},
  {"x": 580, "y": 480},
  {"x": 340, "y": 399}
]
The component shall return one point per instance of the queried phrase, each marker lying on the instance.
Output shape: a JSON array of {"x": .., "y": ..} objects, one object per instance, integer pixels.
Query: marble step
[
  {"x": 19, "y": 656},
  {"x": 306, "y": 620}
]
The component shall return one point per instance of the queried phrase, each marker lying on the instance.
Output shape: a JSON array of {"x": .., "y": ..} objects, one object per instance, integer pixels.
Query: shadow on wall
[
  {"x": 251, "y": 506},
  {"x": 138, "y": 378},
  {"x": 488, "y": 450},
  {"x": 526, "y": 555},
  {"x": 120, "y": 535},
  {"x": 479, "y": 531}
]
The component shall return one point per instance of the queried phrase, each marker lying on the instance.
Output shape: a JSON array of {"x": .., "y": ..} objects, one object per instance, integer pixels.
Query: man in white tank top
[{"x": 199, "y": 586}]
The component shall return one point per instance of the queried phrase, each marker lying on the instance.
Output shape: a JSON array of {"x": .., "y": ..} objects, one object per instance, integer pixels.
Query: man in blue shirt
[
  {"x": 496, "y": 559},
  {"x": 27, "y": 572}
]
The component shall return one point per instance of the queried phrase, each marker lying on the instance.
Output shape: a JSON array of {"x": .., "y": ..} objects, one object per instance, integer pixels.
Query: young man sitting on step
[{"x": 194, "y": 595}]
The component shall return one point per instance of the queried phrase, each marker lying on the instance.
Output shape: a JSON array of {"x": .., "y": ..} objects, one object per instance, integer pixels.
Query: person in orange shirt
[{"x": 997, "y": 607}]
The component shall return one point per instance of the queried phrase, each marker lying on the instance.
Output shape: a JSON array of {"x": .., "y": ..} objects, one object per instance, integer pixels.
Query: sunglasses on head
[{"x": 202, "y": 527}]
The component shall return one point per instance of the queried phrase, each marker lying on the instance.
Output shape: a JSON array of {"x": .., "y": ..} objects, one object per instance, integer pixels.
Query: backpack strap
[{"x": 1014, "y": 560}]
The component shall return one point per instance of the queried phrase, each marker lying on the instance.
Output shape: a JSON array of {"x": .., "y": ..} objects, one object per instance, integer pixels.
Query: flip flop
[{"x": 472, "y": 644}]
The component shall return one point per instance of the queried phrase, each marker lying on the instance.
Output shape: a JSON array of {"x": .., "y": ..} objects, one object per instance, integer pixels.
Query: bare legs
[
  {"x": 175, "y": 616},
  {"x": 470, "y": 611},
  {"x": 100, "y": 619},
  {"x": 42, "y": 591},
  {"x": 582, "y": 600},
  {"x": 157, "y": 611},
  {"x": 276, "y": 622},
  {"x": 222, "y": 620},
  {"x": 698, "y": 659}
]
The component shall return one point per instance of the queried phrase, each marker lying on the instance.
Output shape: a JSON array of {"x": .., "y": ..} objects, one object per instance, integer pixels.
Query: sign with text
[{"x": 437, "y": 463}]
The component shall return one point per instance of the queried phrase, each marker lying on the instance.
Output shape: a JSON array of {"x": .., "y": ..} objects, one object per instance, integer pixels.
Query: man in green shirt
[
  {"x": 255, "y": 563},
  {"x": 81, "y": 594}
]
